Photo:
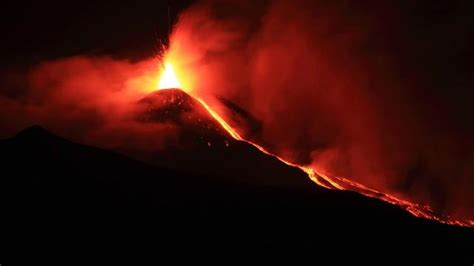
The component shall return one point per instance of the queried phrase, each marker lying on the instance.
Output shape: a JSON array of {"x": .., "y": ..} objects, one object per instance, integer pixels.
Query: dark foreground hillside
[{"x": 57, "y": 195}]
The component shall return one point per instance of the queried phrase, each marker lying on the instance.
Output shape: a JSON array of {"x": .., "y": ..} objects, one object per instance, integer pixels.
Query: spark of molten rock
[{"x": 168, "y": 79}]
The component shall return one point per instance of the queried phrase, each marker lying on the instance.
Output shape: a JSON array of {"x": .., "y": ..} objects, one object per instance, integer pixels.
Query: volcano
[
  {"x": 208, "y": 147},
  {"x": 205, "y": 181},
  {"x": 204, "y": 147},
  {"x": 177, "y": 107}
]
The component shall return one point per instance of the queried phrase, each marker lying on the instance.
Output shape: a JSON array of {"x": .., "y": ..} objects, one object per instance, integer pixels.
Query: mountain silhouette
[{"x": 57, "y": 189}]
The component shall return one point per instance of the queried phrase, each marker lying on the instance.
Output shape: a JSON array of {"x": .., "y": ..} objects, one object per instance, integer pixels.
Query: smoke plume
[{"x": 332, "y": 84}]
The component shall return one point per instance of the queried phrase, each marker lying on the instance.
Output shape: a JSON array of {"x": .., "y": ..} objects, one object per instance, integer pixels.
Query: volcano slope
[
  {"x": 204, "y": 147},
  {"x": 57, "y": 189}
]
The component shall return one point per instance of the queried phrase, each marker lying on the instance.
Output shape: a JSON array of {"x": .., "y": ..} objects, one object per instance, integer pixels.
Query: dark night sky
[
  {"x": 439, "y": 41},
  {"x": 32, "y": 30},
  {"x": 438, "y": 35},
  {"x": 58, "y": 28}
]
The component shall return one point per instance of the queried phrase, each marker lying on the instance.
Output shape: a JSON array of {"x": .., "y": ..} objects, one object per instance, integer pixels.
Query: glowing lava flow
[
  {"x": 237, "y": 136},
  {"x": 168, "y": 80}
]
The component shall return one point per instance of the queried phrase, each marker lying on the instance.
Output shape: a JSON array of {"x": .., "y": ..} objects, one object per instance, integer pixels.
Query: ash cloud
[{"x": 337, "y": 87}]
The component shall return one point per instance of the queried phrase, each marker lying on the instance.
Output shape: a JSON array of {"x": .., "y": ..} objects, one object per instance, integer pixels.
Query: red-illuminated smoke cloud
[
  {"x": 325, "y": 80},
  {"x": 87, "y": 99}
]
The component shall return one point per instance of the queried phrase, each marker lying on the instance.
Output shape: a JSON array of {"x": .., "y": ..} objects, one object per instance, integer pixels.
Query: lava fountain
[{"x": 168, "y": 79}]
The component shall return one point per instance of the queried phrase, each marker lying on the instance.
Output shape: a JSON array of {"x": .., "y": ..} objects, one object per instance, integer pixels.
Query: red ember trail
[{"x": 169, "y": 80}]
